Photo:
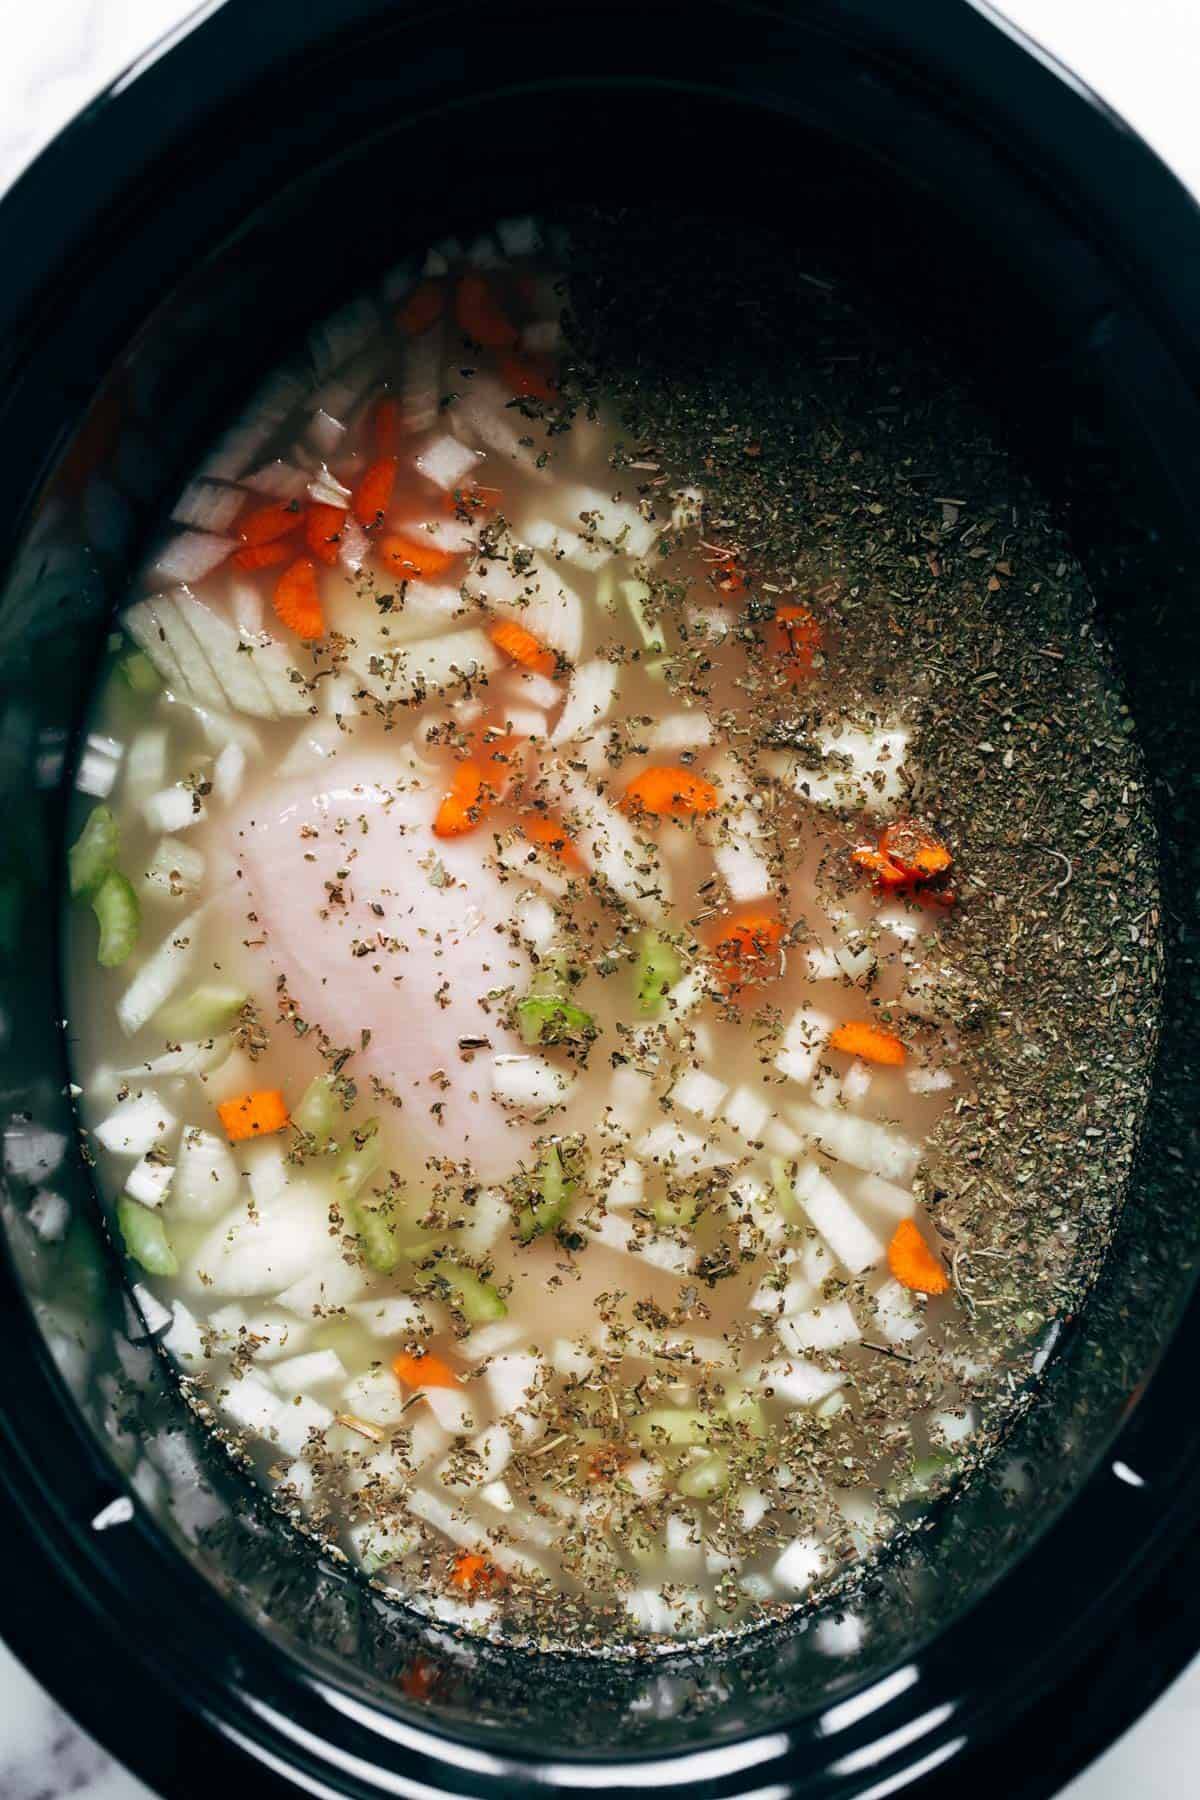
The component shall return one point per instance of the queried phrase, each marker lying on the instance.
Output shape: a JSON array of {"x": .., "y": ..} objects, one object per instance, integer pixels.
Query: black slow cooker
[{"x": 162, "y": 253}]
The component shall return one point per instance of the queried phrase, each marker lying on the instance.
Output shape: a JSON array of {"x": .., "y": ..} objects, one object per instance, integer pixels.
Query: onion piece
[
  {"x": 278, "y": 480},
  {"x": 590, "y": 695},
  {"x": 208, "y": 506},
  {"x": 191, "y": 556}
]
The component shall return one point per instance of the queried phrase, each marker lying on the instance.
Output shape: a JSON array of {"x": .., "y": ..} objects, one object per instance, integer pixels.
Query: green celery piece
[
  {"x": 318, "y": 1109},
  {"x": 783, "y": 1188},
  {"x": 664, "y": 1425},
  {"x": 700, "y": 1480},
  {"x": 207, "y": 1011},
  {"x": 746, "y": 1409},
  {"x": 94, "y": 853},
  {"x": 678, "y": 1215},
  {"x": 551, "y": 1019},
  {"x": 548, "y": 1212},
  {"x": 119, "y": 916},
  {"x": 146, "y": 1237},
  {"x": 139, "y": 674},
  {"x": 656, "y": 969},
  {"x": 375, "y": 1231},
  {"x": 478, "y": 1301}
]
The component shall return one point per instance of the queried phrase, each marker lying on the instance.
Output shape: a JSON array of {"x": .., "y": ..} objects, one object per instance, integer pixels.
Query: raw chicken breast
[{"x": 342, "y": 880}]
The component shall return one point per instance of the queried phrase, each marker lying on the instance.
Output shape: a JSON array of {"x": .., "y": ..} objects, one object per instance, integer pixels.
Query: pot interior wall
[{"x": 942, "y": 233}]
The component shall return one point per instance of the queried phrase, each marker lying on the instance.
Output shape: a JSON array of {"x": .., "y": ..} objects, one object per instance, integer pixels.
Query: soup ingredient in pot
[{"x": 591, "y": 1044}]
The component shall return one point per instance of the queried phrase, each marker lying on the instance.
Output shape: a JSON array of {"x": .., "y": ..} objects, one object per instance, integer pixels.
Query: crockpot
[{"x": 159, "y": 256}]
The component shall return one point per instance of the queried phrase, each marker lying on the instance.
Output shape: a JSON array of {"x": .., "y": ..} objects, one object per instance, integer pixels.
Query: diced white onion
[
  {"x": 191, "y": 556},
  {"x": 529, "y": 1083},
  {"x": 135, "y": 1126}
]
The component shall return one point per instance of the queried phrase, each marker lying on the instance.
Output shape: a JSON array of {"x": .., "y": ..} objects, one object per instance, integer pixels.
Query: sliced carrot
[
  {"x": 548, "y": 833},
  {"x": 731, "y": 579},
  {"x": 297, "y": 600},
  {"x": 913, "y": 1263},
  {"x": 323, "y": 528},
  {"x": 474, "y": 1574},
  {"x": 264, "y": 556},
  {"x": 794, "y": 635},
  {"x": 747, "y": 951},
  {"x": 465, "y": 806},
  {"x": 915, "y": 849},
  {"x": 480, "y": 314},
  {"x": 423, "y": 308},
  {"x": 412, "y": 560},
  {"x": 871, "y": 1042},
  {"x": 420, "y": 1679},
  {"x": 373, "y": 495},
  {"x": 935, "y": 899},
  {"x": 668, "y": 792},
  {"x": 387, "y": 426},
  {"x": 423, "y": 1371},
  {"x": 520, "y": 646},
  {"x": 263, "y": 524},
  {"x": 875, "y": 863},
  {"x": 528, "y": 377},
  {"x": 253, "y": 1115}
]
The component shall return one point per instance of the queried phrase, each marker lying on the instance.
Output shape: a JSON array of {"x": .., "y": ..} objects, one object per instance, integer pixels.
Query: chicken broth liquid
[{"x": 550, "y": 1060}]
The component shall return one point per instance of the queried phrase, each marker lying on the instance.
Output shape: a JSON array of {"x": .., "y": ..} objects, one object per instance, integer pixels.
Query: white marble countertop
[{"x": 1145, "y": 60}]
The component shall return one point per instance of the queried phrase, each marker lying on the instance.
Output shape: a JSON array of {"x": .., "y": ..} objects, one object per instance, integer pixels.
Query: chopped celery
[
  {"x": 656, "y": 969},
  {"x": 146, "y": 1237},
  {"x": 478, "y": 1301},
  {"x": 208, "y": 1009},
  {"x": 119, "y": 916},
  {"x": 674, "y": 1425},
  {"x": 317, "y": 1112},
  {"x": 94, "y": 853},
  {"x": 139, "y": 673},
  {"x": 548, "y": 1212},
  {"x": 783, "y": 1186},
  {"x": 366, "y": 1217},
  {"x": 921, "y": 1474},
  {"x": 358, "y": 1161},
  {"x": 635, "y": 594},
  {"x": 745, "y": 1409},
  {"x": 551, "y": 1019},
  {"x": 677, "y": 1215},
  {"x": 700, "y": 1480},
  {"x": 376, "y": 1235}
]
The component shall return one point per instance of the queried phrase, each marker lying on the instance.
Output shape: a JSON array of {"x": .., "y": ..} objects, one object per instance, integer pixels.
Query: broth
[{"x": 592, "y": 1063}]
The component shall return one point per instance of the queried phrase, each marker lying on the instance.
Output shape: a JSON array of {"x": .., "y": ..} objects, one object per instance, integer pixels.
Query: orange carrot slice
[
  {"x": 480, "y": 314},
  {"x": 253, "y": 1115},
  {"x": 420, "y": 1679},
  {"x": 731, "y": 579},
  {"x": 668, "y": 792},
  {"x": 412, "y": 560},
  {"x": 297, "y": 601},
  {"x": 547, "y": 833},
  {"x": 913, "y": 1263},
  {"x": 520, "y": 646},
  {"x": 474, "y": 1574},
  {"x": 263, "y": 524},
  {"x": 794, "y": 636},
  {"x": 423, "y": 1371},
  {"x": 423, "y": 308},
  {"x": 387, "y": 426},
  {"x": 373, "y": 495},
  {"x": 747, "y": 950},
  {"x": 323, "y": 528},
  {"x": 915, "y": 849},
  {"x": 871, "y": 1042},
  {"x": 264, "y": 556},
  {"x": 528, "y": 377},
  {"x": 465, "y": 806},
  {"x": 875, "y": 863}
]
